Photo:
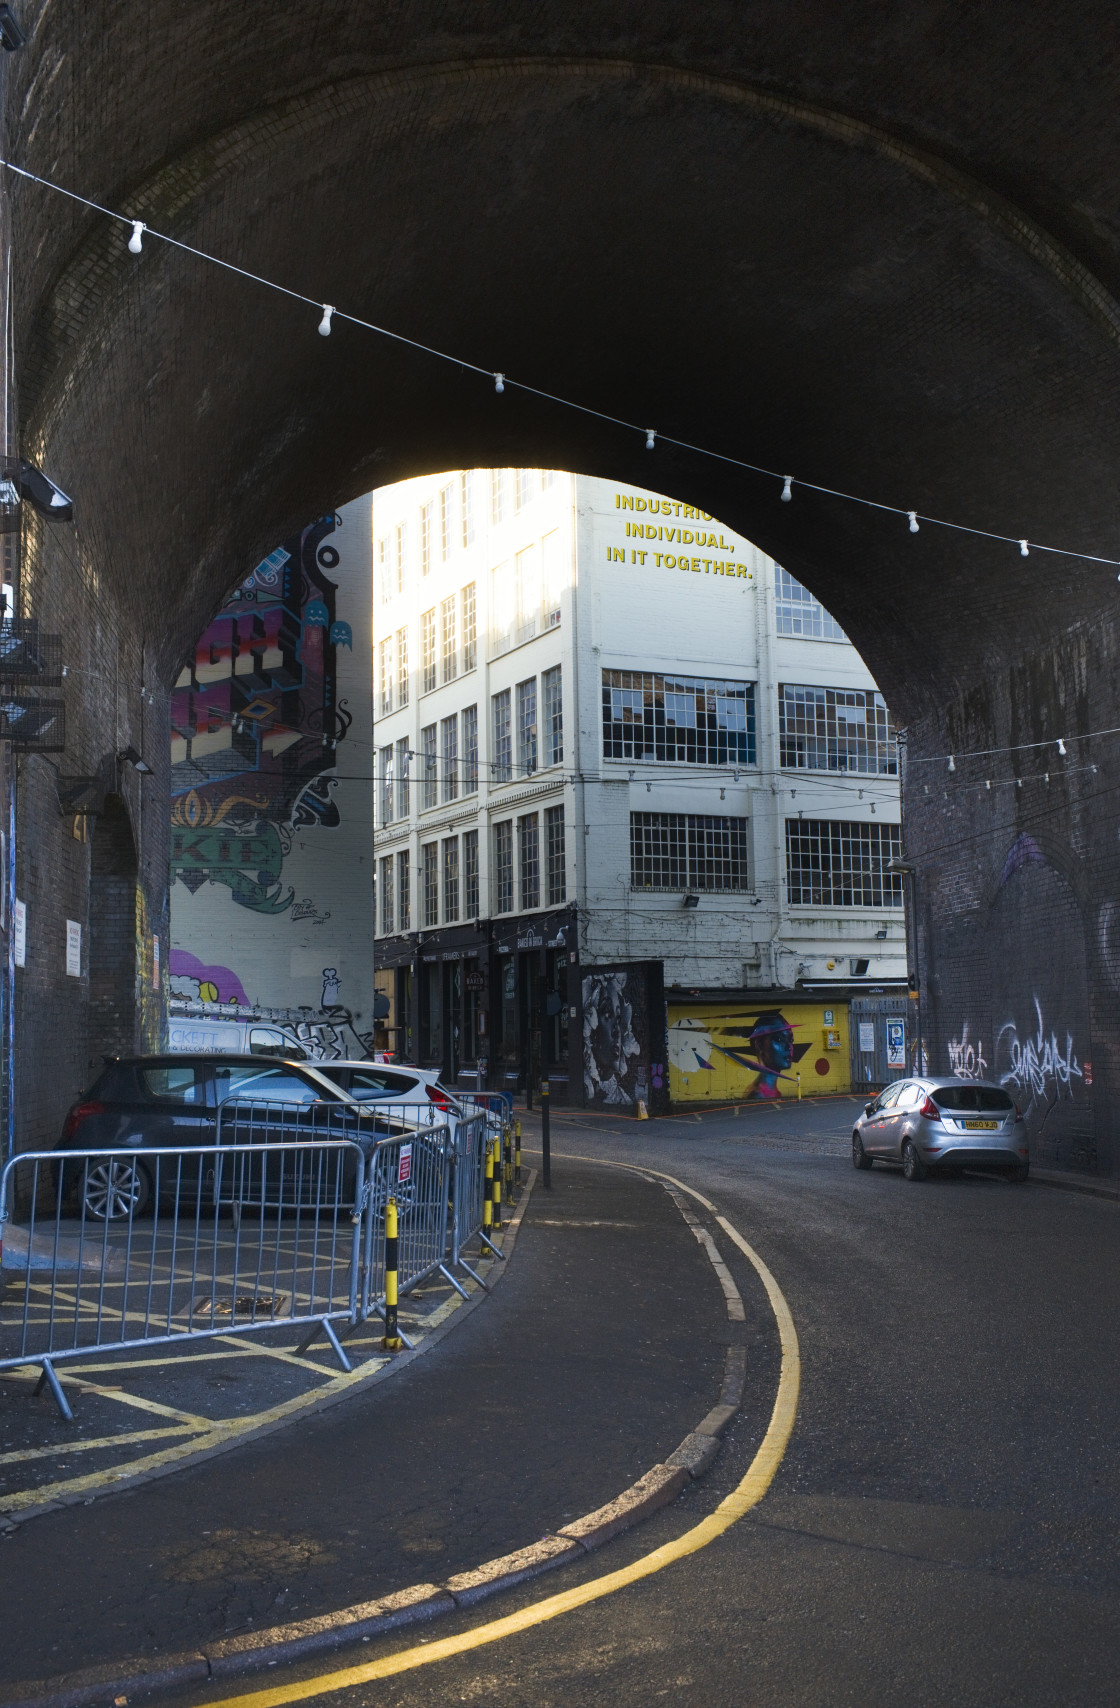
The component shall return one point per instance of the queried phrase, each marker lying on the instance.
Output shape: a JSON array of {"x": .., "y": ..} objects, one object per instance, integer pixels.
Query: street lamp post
[{"x": 904, "y": 869}]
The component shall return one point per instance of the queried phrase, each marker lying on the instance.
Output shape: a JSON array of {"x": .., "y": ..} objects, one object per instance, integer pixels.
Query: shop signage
[
  {"x": 475, "y": 981},
  {"x": 530, "y": 941}
]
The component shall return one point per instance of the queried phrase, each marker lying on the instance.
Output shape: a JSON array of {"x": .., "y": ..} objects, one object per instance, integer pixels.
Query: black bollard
[{"x": 546, "y": 1139}]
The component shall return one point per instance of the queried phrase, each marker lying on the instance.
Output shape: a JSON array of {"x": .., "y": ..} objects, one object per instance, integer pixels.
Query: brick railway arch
[{"x": 881, "y": 256}]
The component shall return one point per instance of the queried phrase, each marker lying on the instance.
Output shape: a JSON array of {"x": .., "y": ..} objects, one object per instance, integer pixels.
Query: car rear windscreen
[{"x": 971, "y": 1098}]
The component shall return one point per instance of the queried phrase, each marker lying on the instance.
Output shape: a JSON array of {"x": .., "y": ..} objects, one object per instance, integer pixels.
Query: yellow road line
[
  {"x": 127, "y": 1439},
  {"x": 748, "y": 1493}
]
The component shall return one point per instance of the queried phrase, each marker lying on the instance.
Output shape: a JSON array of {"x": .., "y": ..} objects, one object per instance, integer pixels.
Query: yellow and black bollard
[
  {"x": 488, "y": 1191},
  {"x": 496, "y": 1219},
  {"x": 517, "y": 1151},
  {"x": 391, "y": 1341}
]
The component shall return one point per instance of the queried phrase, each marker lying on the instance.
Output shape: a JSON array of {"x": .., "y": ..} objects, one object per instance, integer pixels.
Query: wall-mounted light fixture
[
  {"x": 691, "y": 901},
  {"x": 130, "y": 756}
]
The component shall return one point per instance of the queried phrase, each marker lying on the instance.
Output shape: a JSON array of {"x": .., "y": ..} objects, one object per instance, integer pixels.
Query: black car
[{"x": 172, "y": 1103}]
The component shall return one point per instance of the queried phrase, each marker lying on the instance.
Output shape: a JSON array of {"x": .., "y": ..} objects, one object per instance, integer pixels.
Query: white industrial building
[{"x": 623, "y": 761}]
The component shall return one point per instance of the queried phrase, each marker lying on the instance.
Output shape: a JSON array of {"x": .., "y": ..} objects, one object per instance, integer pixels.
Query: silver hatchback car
[{"x": 939, "y": 1125}]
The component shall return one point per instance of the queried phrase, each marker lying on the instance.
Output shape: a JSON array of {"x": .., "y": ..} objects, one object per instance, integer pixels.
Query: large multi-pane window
[
  {"x": 451, "y": 879},
  {"x": 446, "y": 512},
  {"x": 527, "y": 726},
  {"x": 404, "y": 755},
  {"x": 527, "y": 592},
  {"x": 428, "y": 651},
  {"x": 470, "y": 874},
  {"x": 384, "y": 590},
  {"x": 502, "y": 744},
  {"x": 529, "y": 859},
  {"x": 501, "y": 883},
  {"x": 385, "y": 677},
  {"x": 551, "y": 578},
  {"x": 470, "y": 629},
  {"x": 692, "y": 720},
  {"x": 501, "y": 614},
  {"x": 553, "y": 710},
  {"x": 836, "y": 729},
  {"x": 687, "y": 851},
  {"x": 556, "y": 868},
  {"x": 470, "y": 749},
  {"x": 449, "y": 639},
  {"x": 385, "y": 785},
  {"x": 499, "y": 494},
  {"x": 800, "y": 614},
  {"x": 427, "y": 519},
  {"x": 526, "y": 486},
  {"x": 449, "y": 750},
  {"x": 385, "y": 884},
  {"x": 402, "y": 668},
  {"x": 466, "y": 506},
  {"x": 404, "y": 891},
  {"x": 401, "y": 544},
  {"x": 429, "y": 780},
  {"x": 429, "y": 883},
  {"x": 841, "y": 863}
]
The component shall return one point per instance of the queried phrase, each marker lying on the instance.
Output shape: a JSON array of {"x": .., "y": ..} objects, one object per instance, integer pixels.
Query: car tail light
[
  {"x": 930, "y": 1110},
  {"x": 1018, "y": 1113},
  {"x": 78, "y": 1114},
  {"x": 438, "y": 1097}
]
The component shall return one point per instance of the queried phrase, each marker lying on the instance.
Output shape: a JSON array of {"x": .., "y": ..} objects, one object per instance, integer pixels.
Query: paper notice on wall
[
  {"x": 73, "y": 949},
  {"x": 155, "y": 963},
  {"x": 19, "y": 932},
  {"x": 404, "y": 1172},
  {"x": 867, "y": 1037}
]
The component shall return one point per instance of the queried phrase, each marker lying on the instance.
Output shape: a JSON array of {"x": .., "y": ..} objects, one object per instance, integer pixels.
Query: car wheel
[
  {"x": 1020, "y": 1173},
  {"x": 115, "y": 1189},
  {"x": 860, "y": 1158},
  {"x": 912, "y": 1165}
]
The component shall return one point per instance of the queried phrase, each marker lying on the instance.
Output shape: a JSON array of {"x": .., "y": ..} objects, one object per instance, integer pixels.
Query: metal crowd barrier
[
  {"x": 139, "y": 1246},
  {"x": 280, "y": 1223}
]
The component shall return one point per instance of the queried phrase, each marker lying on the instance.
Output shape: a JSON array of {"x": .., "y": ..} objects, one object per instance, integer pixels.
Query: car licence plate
[{"x": 984, "y": 1126}]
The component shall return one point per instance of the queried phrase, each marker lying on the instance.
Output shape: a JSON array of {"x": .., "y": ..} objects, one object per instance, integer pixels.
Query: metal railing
[
  {"x": 281, "y": 1223},
  {"x": 151, "y": 1246}
]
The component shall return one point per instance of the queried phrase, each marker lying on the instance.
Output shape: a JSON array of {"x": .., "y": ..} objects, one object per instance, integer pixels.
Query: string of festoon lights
[{"x": 329, "y": 314}]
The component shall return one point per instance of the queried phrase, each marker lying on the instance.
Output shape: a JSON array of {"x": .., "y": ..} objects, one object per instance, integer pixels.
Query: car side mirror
[{"x": 869, "y": 1108}]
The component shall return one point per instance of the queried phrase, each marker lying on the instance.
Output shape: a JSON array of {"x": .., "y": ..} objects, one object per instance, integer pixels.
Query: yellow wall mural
[{"x": 734, "y": 1053}]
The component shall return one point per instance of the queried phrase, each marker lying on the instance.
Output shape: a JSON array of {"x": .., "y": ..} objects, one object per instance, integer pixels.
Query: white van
[{"x": 312, "y": 1040}]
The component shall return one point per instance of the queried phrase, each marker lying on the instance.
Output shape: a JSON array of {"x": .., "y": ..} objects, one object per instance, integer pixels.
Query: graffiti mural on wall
[
  {"x": 624, "y": 1035},
  {"x": 271, "y": 868},
  {"x": 255, "y": 724},
  {"x": 743, "y": 1054}
]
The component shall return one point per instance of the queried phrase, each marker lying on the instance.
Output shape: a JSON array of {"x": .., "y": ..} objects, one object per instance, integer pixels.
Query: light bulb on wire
[
  {"x": 499, "y": 382},
  {"x": 136, "y": 241},
  {"x": 325, "y": 323},
  {"x": 913, "y": 515},
  {"x": 651, "y": 435},
  {"x": 787, "y": 493}
]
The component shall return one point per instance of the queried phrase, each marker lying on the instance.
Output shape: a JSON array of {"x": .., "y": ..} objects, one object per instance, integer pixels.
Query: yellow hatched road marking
[
  {"x": 760, "y": 1474},
  {"x": 128, "y": 1438}
]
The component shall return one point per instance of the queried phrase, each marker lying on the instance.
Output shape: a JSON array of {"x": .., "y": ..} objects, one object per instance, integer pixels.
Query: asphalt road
[{"x": 945, "y": 1525}]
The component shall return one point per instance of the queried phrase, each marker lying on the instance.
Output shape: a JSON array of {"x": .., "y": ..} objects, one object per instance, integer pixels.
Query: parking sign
[
  {"x": 896, "y": 1043},
  {"x": 404, "y": 1170}
]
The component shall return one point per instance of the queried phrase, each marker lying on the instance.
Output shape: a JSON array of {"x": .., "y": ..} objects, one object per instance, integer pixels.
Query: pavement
[
  {"x": 943, "y": 1526},
  {"x": 603, "y": 1347}
]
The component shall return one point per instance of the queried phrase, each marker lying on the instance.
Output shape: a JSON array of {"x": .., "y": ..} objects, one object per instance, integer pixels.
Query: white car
[{"x": 415, "y": 1090}]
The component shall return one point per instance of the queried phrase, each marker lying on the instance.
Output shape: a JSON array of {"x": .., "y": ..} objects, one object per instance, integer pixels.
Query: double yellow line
[{"x": 747, "y": 1494}]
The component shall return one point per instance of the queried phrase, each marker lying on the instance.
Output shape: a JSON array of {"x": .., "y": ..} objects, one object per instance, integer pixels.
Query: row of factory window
[
  {"x": 829, "y": 863},
  {"x": 527, "y": 870},
  {"x": 451, "y": 520},
  {"x": 688, "y": 720}
]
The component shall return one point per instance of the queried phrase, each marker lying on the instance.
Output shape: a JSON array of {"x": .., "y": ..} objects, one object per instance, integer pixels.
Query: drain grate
[{"x": 249, "y": 1305}]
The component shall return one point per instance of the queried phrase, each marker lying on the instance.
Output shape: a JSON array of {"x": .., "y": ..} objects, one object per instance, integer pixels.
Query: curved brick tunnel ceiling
[
  {"x": 821, "y": 243},
  {"x": 876, "y": 246}
]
